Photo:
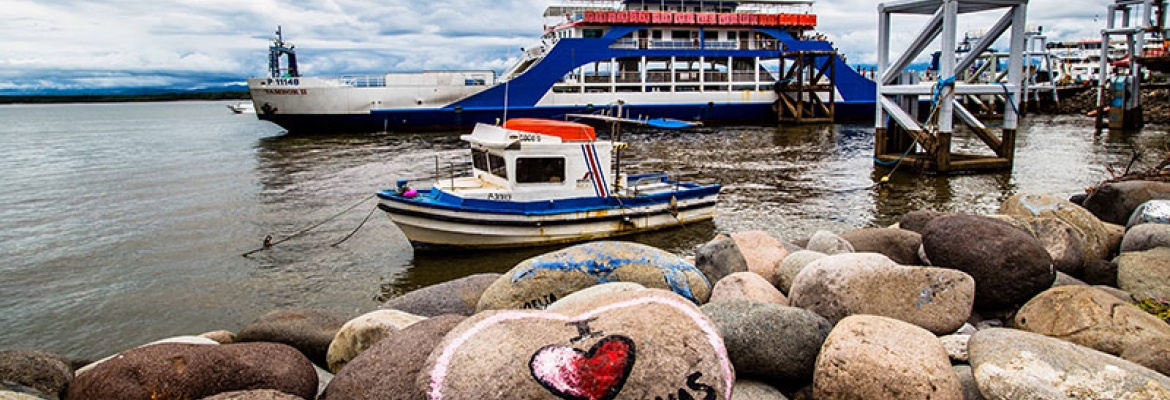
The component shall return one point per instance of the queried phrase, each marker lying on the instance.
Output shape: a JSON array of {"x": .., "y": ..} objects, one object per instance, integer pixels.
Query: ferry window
[
  {"x": 540, "y": 170},
  {"x": 479, "y": 159},
  {"x": 591, "y": 33},
  {"x": 499, "y": 168}
]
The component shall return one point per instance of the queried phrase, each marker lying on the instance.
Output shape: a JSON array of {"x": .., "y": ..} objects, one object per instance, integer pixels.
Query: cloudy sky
[{"x": 192, "y": 43}]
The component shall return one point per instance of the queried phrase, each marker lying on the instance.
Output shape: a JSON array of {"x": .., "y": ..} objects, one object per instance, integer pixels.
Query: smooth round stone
[
  {"x": 1009, "y": 265},
  {"x": 1116, "y": 202},
  {"x": 391, "y": 367},
  {"x": 872, "y": 357},
  {"x": 459, "y": 296},
  {"x": 310, "y": 331},
  {"x": 829, "y": 243},
  {"x": 1062, "y": 241},
  {"x": 1094, "y": 235},
  {"x": 45, "y": 373},
  {"x": 915, "y": 221},
  {"x": 1014, "y": 364},
  {"x": 936, "y": 299},
  {"x": 1089, "y": 317},
  {"x": 899, "y": 245},
  {"x": 264, "y": 394},
  {"x": 747, "y": 286},
  {"x": 791, "y": 267},
  {"x": 194, "y": 371},
  {"x": 177, "y": 339},
  {"x": 1145, "y": 274},
  {"x": 360, "y": 333},
  {"x": 1152, "y": 353},
  {"x": 1145, "y": 237},
  {"x": 755, "y": 390},
  {"x": 771, "y": 342},
  {"x": 720, "y": 257},
  {"x": 593, "y": 293},
  {"x": 638, "y": 344},
  {"x": 537, "y": 282},
  {"x": 1150, "y": 212},
  {"x": 762, "y": 252}
]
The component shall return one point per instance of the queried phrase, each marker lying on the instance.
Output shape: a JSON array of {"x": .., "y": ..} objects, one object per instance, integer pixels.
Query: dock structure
[
  {"x": 925, "y": 144},
  {"x": 1038, "y": 91},
  {"x": 1140, "y": 22},
  {"x": 805, "y": 85}
]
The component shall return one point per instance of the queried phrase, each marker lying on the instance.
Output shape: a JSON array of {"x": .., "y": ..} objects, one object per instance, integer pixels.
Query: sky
[{"x": 196, "y": 44}]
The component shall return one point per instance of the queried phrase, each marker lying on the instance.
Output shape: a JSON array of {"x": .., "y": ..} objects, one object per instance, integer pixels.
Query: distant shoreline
[{"x": 114, "y": 98}]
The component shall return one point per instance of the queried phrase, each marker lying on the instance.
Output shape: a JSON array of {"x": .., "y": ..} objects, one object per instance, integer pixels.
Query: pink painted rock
[
  {"x": 631, "y": 345},
  {"x": 747, "y": 286},
  {"x": 762, "y": 252}
]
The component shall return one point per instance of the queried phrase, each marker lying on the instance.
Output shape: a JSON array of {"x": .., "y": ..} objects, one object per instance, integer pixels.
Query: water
[{"x": 125, "y": 223}]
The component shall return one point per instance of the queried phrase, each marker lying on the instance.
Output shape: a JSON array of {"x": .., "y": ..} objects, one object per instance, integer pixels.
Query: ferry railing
[
  {"x": 363, "y": 80},
  {"x": 748, "y": 76},
  {"x": 715, "y": 77},
  {"x": 629, "y": 77},
  {"x": 658, "y": 77},
  {"x": 597, "y": 78}
]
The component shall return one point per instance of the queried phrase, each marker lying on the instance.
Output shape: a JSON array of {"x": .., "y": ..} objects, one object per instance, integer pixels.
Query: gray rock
[
  {"x": 1063, "y": 279},
  {"x": 1145, "y": 273},
  {"x": 310, "y": 331},
  {"x": 1152, "y": 353},
  {"x": 762, "y": 252},
  {"x": 899, "y": 245},
  {"x": 791, "y": 267},
  {"x": 720, "y": 257},
  {"x": 770, "y": 342},
  {"x": 915, "y": 221},
  {"x": 956, "y": 346},
  {"x": 360, "y": 333},
  {"x": 1009, "y": 265},
  {"x": 872, "y": 357},
  {"x": 1150, "y": 212},
  {"x": 1115, "y": 202},
  {"x": 458, "y": 296},
  {"x": 44, "y": 373},
  {"x": 829, "y": 243},
  {"x": 967, "y": 380},
  {"x": 755, "y": 390},
  {"x": 393, "y": 364},
  {"x": 1094, "y": 234},
  {"x": 747, "y": 286},
  {"x": 1014, "y": 364},
  {"x": 1146, "y": 237},
  {"x": 1062, "y": 241}
]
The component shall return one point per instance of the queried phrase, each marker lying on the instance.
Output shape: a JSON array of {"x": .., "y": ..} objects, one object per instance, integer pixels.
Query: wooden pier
[{"x": 805, "y": 86}]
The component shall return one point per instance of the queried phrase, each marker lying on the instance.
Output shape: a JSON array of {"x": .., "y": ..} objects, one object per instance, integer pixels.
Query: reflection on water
[{"x": 125, "y": 223}]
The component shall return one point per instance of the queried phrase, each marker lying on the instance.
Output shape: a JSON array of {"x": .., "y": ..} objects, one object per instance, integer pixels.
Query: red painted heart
[{"x": 597, "y": 374}]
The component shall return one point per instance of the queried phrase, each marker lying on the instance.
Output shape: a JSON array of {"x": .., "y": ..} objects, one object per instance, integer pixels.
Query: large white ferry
[{"x": 708, "y": 61}]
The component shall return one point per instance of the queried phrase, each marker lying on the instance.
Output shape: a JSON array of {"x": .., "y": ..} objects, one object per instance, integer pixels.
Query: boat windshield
[
  {"x": 484, "y": 161},
  {"x": 540, "y": 169}
]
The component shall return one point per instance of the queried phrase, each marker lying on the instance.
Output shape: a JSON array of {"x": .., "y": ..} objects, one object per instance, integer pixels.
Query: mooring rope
[{"x": 269, "y": 243}]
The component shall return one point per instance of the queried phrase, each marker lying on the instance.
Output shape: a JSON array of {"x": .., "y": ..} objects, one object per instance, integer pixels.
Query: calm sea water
[{"x": 125, "y": 223}]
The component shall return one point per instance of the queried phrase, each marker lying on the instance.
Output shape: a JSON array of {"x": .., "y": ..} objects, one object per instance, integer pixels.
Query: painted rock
[
  {"x": 937, "y": 299},
  {"x": 762, "y": 252},
  {"x": 360, "y": 333},
  {"x": 747, "y": 286},
  {"x": 900, "y": 245},
  {"x": 539, "y": 281},
  {"x": 1009, "y": 265},
  {"x": 791, "y": 267},
  {"x": 194, "y": 371},
  {"x": 390, "y": 368},
  {"x": 872, "y": 357},
  {"x": 720, "y": 257},
  {"x": 1145, "y": 273},
  {"x": 1089, "y": 317},
  {"x": 1116, "y": 202},
  {"x": 631, "y": 345},
  {"x": 768, "y": 341},
  {"x": 459, "y": 296},
  {"x": 1014, "y": 364},
  {"x": 1093, "y": 233},
  {"x": 46, "y": 374},
  {"x": 310, "y": 331},
  {"x": 1145, "y": 237}
]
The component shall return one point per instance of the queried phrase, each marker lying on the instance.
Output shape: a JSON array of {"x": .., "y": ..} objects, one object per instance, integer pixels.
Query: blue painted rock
[
  {"x": 310, "y": 331},
  {"x": 194, "y": 371},
  {"x": 872, "y": 357},
  {"x": 540, "y": 281},
  {"x": 360, "y": 333},
  {"x": 390, "y": 368},
  {"x": 1014, "y": 364},
  {"x": 458, "y": 296},
  {"x": 937, "y": 299},
  {"x": 775, "y": 343},
  {"x": 1115, "y": 202},
  {"x": 39, "y": 372},
  {"x": 1089, "y": 317},
  {"x": 631, "y": 345},
  {"x": 1145, "y": 273}
]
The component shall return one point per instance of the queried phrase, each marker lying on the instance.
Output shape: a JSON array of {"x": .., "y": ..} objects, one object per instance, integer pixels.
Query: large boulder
[
  {"x": 1015, "y": 364},
  {"x": 1145, "y": 273},
  {"x": 360, "y": 333},
  {"x": 1061, "y": 240},
  {"x": 770, "y": 342},
  {"x": 762, "y": 252},
  {"x": 1009, "y": 265},
  {"x": 915, "y": 221},
  {"x": 176, "y": 339},
  {"x": 1089, "y": 317},
  {"x": 1145, "y": 237},
  {"x": 592, "y": 293},
  {"x": 537, "y": 282},
  {"x": 194, "y": 371},
  {"x": 308, "y": 330},
  {"x": 791, "y": 267},
  {"x": 720, "y": 257},
  {"x": 393, "y": 364},
  {"x": 747, "y": 286},
  {"x": 1094, "y": 234},
  {"x": 900, "y": 245},
  {"x": 459, "y": 296},
  {"x": 1152, "y": 353},
  {"x": 636, "y": 344},
  {"x": 872, "y": 357},
  {"x": 1115, "y": 202},
  {"x": 41, "y": 372},
  {"x": 937, "y": 299}
]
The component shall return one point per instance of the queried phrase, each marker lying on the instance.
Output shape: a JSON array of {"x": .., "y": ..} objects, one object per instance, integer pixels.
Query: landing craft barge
[{"x": 704, "y": 61}]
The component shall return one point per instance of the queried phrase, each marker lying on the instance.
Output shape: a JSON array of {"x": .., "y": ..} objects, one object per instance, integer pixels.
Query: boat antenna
[{"x": 507, "y": 80}]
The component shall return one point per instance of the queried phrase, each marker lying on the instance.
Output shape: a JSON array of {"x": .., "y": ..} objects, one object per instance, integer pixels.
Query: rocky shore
[{"x": 1035, "y": 302}]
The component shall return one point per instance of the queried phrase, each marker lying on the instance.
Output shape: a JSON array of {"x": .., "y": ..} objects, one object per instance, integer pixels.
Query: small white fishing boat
[
  {"x": 536, "y": 182},
  {"x": 242, "y": 107}
]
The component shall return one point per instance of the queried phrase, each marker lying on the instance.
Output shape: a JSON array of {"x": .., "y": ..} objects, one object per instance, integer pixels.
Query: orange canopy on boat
[{"x": 563, "y": 129}]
